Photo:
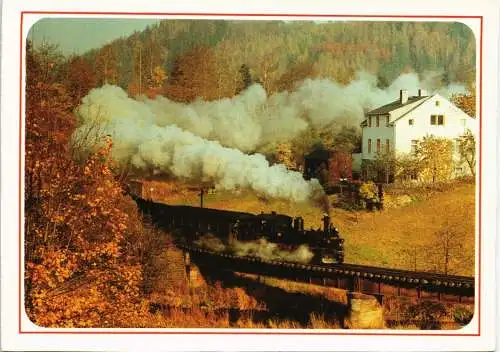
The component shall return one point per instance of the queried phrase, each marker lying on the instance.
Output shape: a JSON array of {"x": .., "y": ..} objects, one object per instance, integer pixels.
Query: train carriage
[{"x": 193, "y": 222}]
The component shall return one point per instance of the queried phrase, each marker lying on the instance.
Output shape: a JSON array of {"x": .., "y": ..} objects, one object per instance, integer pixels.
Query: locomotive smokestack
[
  {"x": 326, "y": 222},
  {"x": 324, "y": 203}
]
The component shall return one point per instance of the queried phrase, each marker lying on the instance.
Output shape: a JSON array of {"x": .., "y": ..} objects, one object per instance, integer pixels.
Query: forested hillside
[
  {"x": 217, "y": 58},
  {"x": 207, "y": 60}
]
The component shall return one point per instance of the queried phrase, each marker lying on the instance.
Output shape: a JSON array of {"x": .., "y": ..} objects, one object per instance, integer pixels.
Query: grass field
[{"x": 414, "y": 236}]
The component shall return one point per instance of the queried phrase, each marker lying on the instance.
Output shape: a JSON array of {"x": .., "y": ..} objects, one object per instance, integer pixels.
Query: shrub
[
  {"x": 462, "y": 315},
  {"x": 427, "y": 315}
]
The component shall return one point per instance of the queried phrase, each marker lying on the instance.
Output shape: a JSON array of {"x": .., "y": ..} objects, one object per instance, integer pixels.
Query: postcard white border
[{"x": 10, "y": 119}]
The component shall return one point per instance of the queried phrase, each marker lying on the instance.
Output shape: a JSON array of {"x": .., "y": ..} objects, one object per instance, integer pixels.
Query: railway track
[{"x": 352, "y": 277}]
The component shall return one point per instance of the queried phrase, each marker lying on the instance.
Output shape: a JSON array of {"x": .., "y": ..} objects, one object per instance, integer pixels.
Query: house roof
[{"x": 395, "y": 105}]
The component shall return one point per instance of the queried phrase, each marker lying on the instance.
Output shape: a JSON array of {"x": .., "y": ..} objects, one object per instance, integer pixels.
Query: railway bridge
[{"x": 366, "y": 286}]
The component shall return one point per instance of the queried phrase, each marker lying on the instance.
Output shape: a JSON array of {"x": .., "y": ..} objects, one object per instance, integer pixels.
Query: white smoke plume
[
  {"x": 260, "y": 248},
  {"x": 194, "y": 141},
  {"x": 210, "y": 242},
  {"x": 270, "y": 251},
  {"x": 252, "y": 120},
  {"x": 139, "y": 140}
]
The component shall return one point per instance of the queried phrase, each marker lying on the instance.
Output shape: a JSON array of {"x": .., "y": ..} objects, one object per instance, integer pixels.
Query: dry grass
[
  {"x": 386, "y": 238},
  {"x": 332, "y": 294}
]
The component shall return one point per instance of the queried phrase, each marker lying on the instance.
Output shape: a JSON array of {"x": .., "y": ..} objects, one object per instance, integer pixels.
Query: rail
[{"x": 352, "y": 277}]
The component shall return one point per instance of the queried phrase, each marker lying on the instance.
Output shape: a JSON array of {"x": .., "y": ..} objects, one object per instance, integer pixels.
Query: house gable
[
  {"x": 437, "y": 116},
  {"x": 396, "y": 126}
]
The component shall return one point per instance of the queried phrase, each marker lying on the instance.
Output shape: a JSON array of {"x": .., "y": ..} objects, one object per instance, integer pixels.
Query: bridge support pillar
[
  {"x": 194, "y": 277},
  {"x": 364, "y": 312}
]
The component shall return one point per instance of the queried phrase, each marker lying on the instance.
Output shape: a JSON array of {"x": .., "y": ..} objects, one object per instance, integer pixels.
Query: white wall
[
  {"x": 402, "y": 134},
  {"x": 453, "y": 127},
  {"x": 383, "y": 133}
]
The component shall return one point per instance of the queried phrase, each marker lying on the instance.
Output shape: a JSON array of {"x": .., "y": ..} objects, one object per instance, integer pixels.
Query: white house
[{"x": 397, "y": 126}]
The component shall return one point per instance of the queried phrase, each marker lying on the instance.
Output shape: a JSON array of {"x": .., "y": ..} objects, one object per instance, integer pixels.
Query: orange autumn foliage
[
  {"x": 82, "y": 236},
  {"x": 466, "y": 102}
]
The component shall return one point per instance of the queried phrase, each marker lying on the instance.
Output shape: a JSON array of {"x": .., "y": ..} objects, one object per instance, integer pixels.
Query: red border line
[
  {"x": 224, "y": 14},
  {"x": 222, "y": 332},
  {"x": 480, "y": 115},
  {"x": 20, "y": 162}
]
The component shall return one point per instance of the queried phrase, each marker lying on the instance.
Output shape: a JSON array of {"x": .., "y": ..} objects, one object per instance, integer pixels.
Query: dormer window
[{"x": 411, "y": 122}]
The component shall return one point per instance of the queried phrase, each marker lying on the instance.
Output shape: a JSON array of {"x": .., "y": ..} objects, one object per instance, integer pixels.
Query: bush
[
  {"x": 462, "y": 315},
  {"x": 427, "y": 315}
]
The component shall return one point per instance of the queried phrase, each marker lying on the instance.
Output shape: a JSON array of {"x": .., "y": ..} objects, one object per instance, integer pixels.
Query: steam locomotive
[{"x": 193, "y": 222}]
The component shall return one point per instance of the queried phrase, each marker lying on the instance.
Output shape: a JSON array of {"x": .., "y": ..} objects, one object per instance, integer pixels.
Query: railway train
[{"x": 190, "y": 223}]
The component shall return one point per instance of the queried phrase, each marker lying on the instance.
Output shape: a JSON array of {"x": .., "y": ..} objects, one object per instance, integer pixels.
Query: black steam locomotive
[{"x": 193, "y": 222}]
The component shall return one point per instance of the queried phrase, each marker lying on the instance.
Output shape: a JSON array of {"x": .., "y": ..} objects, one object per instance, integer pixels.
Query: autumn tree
[
  {"x": 347, "y": 139},
  {"x": 296, "y": 74},
  {"x": 284, "y": 155},
  {"x": 406, "y": 167},
  {"x": 384, "y": 165},
  {"x": 81, "y": 234},
  {"x": 435, "y": 158},
  {"x": 80, "y": 79},
  {"x": 246, "y": 78},
  {"x": 50, "y": 62},
  {"x": 467, "y": 151},
  {"x": 451, "y": 249},
  {"x": 193, "y": 76},
  {"x": 339, "y": 166},
  {"x": 368, "y": 193},
  {"x": 106, "y": 66},
  {"x": 466, "y": 102},
  {"x": 159, "y": 76}
]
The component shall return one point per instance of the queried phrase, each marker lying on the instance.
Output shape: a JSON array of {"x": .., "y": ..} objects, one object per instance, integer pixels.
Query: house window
[
  {"x": 369, "y": 121},
  {"x": 387, "y": 118},
  {"x": 437, "y": 102},
  {"x": 369, "y": 146},
  {"x": 437, "y": 119},
  {"x": 411, "y": 122},
  {"x": 414, "y": 146},
  {"x": 387, "y": 146},
  {"x": 378, "y": 121},
  {"x": 378, "y": 145},
  {"x": 457, "y": 145}
]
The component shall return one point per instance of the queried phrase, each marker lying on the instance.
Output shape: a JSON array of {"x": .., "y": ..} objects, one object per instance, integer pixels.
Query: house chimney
[
  {"x": 422, "y": 93},
  {"x": 403, "y": 96}
]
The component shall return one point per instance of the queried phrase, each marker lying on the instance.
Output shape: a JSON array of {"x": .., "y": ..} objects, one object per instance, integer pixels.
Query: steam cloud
[
  {"x": 207, "y": 141},
  {"x": 153, "y": 148},
  {"x": 259, "y": 248},
  {"x": 252, "y": 120}
]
